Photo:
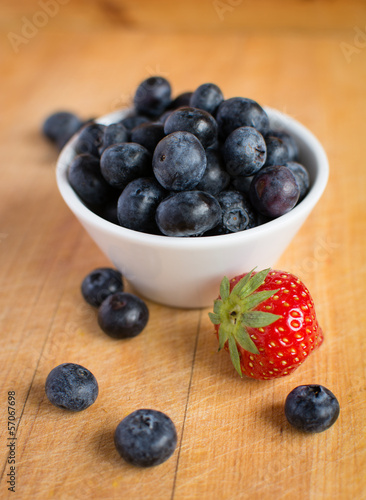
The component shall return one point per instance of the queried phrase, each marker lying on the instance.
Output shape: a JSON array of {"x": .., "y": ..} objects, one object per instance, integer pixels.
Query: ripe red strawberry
[{"x": 267, "y": 322}]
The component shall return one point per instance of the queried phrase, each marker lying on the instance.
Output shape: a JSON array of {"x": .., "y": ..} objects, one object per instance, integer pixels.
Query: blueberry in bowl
[{"x": 171, "y": 235}]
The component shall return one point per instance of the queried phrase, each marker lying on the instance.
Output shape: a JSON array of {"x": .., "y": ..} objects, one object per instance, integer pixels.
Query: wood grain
[{"x": 234, "y": 442}]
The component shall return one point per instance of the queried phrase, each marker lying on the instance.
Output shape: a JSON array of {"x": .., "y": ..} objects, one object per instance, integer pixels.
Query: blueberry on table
[
  {"x": 90, "y": 139},
  {"x": 196, "y": 121},
  {"x": 71, "y": 386},
  {"x": 115, "y": 133},
  {"x": 274, "y": 191},
  {"x": 137, "y": 205},
  {"x": 208, "y": 97},
  {"x": 244, "y": 151},
  {"x": 148, "y": 135},
  {"x": 277, "y": 152},
  {"x": 179, "y": 161},
  {"x": 123, "y": 315},
  {"x": 188, "y": 213},
  {"x": 122, "y": 163},
  {"x": 311, "y": 408},
  {"x": 146, "y": 438},
  {"x": 101, "y": 283},
  {"x": 87, "y": 181},
  {"x": 215, "y": 177},
  {"x": 152, "y": 96},
  {"x": 241, "y": 112},
  {"x": 61, "y": 126},
  {"x": 301, "y": 176}
]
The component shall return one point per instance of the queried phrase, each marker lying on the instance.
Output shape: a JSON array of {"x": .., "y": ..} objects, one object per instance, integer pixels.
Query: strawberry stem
[{"x": 234, "y": 312}]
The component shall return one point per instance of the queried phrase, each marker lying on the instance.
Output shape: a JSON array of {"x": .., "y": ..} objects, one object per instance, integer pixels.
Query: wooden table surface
[{"x": 304, "y": 58}]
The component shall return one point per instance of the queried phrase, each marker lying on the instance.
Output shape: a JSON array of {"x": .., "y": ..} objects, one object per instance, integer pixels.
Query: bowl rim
[{"x": 301, "y": 210}]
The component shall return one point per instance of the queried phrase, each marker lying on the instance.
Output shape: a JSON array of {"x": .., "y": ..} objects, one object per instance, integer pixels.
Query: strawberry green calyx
[{"x": 234, "y": 312}]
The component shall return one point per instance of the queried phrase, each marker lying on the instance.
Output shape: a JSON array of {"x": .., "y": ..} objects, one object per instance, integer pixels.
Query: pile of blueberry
[{"x": 196, "y": 165}]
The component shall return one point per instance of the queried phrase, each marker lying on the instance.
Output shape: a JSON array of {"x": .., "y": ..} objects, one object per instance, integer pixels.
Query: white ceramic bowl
[{"x": 186, "y": 272}]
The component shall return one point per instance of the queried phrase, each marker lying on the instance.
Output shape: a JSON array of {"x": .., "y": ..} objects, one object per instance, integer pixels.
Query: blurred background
[{"x": 89, "y": 55}]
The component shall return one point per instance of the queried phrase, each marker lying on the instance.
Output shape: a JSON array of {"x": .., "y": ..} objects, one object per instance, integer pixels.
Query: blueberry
[
  {"x": 311, "y": 408},
  {"x": 148, "y": 135},
  {"x": 188, "y": 213},
  {"x": 277, "y": 152},
  {"x": 87, "y": 181},
  {"x": 134, "y": 120},
  {"x": 108, "y": 210},
  {"x": 196, "y": 121},
  {"x": 241, "y": 112},
  {"x": 231, "y": 197},
  {"x": 237, "y": 212},
  {"x": 152, "y": 96},
  {"x": 71, "y": 386},
  {"x": 61, "y": 126},
  {"x": 215, "y": 177},
  {"x": 90, "y": 139},
  {"x": 162, "y": 118},
  {"x": 301, "y": 176},
  {"x": 123, "y": 315},
  {"x": 121, "y": 163},
  {"x": 274, "y": 191},
  {"x": 244, "y": 152},
  {"x": 207, "y": 97},
  {"x": 289, "y": 141},
  {"x": 179, "y": 161},
  {"x": 101, "y": 283},
  {"x": 138, "y": 203},
  {"x": 113, "y": 134},
  {"x": 146, "y": 438},
  {"x": 242, "y": 184},
  {"x": 181, "y": 100}
]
